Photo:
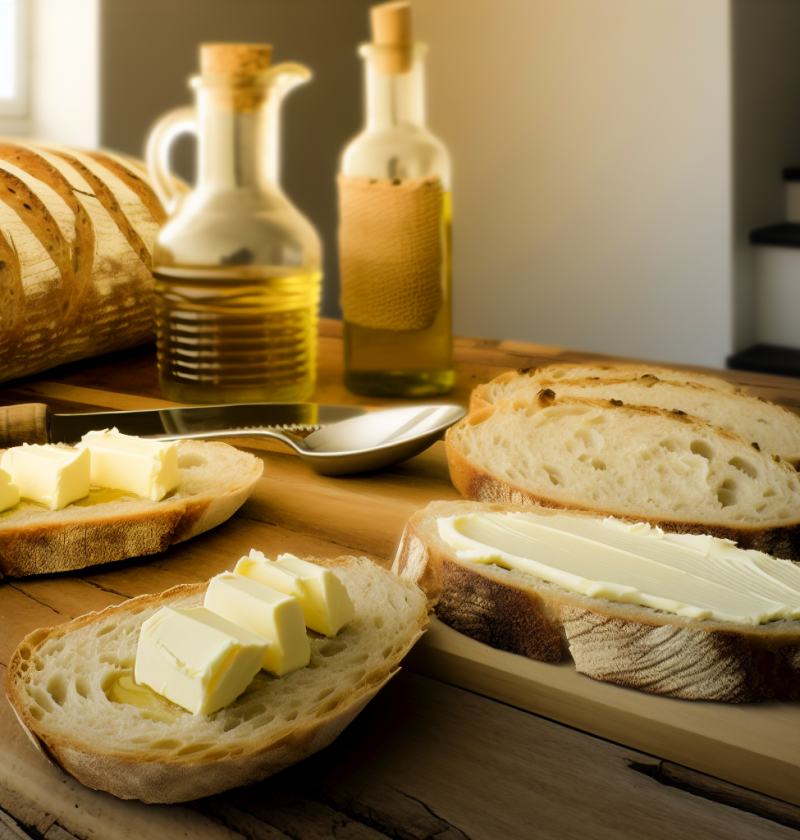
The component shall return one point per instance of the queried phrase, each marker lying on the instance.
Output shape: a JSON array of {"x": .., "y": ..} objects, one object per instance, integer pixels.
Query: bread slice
[
  {"x": 666, "y": 468},
  {"x": 507, "y": 385},
  {"x": 215, "y": 481},
  {"x": 774, "y": 428},
  {"x": 626, "y": 644},
  {"x": 58, "y": 681}
]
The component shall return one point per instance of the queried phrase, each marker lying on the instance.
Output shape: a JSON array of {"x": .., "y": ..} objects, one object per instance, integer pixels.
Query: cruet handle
[{"x": 162, "y": 135}]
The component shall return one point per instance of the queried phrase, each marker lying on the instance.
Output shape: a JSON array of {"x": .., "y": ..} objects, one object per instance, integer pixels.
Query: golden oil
[
  {"x": 406, "y": 363},
  {"x": 238, "y": 334}
]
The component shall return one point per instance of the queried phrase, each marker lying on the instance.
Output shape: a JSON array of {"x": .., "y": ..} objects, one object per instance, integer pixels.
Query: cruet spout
[{"x": 282, "y": 78}]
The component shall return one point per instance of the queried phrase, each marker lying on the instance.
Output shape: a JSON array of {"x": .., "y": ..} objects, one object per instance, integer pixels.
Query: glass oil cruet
[
  {"x": 394, "y": 227},
  {"x": 237, "y": 267}
]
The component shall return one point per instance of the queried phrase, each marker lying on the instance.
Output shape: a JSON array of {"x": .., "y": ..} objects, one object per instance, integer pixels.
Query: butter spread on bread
[
  {"x": 326, "y": 605},
  {"x": 50, "y": 475},
  {"x": 9, "y": 492},
  {"x": 697, "y": 577},
  {"x": 266, "y": 611},
  {"x": 624, "y": 643},
  {"x": 148, "y": 468},
  {"x": 196, "y": 658}
]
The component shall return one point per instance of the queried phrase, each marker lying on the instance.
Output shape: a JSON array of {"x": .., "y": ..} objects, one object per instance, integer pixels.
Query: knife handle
[{"x": 26, "y": 423}]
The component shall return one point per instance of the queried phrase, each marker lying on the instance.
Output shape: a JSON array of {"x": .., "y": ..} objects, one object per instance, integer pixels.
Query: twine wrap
[{"x": 391, "y": 247}]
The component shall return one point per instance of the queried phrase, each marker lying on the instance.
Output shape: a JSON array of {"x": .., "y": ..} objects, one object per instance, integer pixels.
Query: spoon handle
[{"x": 297, "y": 443}]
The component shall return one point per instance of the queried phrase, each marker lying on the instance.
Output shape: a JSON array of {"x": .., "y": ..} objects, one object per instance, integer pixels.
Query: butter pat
[
  {"x": 267, "y": 612},
  {"x": 48, "y": 474},
  {"x": 148, "y": 468},
  {"x": 9, "y": 492},
  {"x": 700, "y": 577},
  {"x": 326, "y": 605},
  {"x": 197, "y": 659}
]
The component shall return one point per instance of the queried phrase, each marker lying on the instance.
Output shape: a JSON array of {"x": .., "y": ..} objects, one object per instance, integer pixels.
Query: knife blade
[{"x": 35, "y": 423}]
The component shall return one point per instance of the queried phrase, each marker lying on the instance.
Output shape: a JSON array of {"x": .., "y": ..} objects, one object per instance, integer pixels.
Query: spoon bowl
[{"x": 367, "y": 442}]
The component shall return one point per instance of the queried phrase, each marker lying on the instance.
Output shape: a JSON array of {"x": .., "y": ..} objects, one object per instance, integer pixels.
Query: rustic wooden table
[{"x": 436, "y": 754}]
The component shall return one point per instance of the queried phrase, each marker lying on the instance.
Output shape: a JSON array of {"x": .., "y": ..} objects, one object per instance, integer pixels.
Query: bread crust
[
  {"x": 74, "y": 538},
  {"x": 629, "y": 645},
  {"x": 76, "y": 234},
  {"x": 165, "y": 777},
  {"x": 482, "y": 397}
]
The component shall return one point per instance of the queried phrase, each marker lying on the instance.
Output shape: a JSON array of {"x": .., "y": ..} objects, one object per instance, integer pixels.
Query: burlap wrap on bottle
[{"x": 391, "y": 251}]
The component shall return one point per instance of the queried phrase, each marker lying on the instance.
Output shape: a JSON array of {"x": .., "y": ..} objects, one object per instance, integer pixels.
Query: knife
[{"x": 35, "y": 423}]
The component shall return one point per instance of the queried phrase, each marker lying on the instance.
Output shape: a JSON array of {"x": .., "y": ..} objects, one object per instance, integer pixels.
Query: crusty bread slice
[
  {"x": 216, "y": 479},
  {"x": 58, "y": 681},
  {"x": 626, "y": 644},
  {"x": 666, "y": 468},
  {"x": 774, "y": 428},
  {"x": 507, "y": 385}
]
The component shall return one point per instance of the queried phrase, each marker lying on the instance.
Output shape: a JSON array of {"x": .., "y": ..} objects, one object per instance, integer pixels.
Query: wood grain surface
[{"x": 435, "y": 754}]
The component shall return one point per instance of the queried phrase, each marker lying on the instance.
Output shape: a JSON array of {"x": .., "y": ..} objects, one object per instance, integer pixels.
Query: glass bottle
[
  {"x": 395, "y": 247},
  {"x": 237, "y": 266}
]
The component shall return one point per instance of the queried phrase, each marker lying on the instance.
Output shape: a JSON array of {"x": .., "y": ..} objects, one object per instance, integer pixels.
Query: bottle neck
[
  {"x": 394, "y": 98},
  {"x": 237, "y": 145}
]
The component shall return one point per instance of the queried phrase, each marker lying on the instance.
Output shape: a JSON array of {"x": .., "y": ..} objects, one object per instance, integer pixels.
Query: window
[{"x": 13, "y": 57}]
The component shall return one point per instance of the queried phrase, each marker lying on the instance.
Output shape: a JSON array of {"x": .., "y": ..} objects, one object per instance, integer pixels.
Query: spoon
[{"x": 368, "y": 442}]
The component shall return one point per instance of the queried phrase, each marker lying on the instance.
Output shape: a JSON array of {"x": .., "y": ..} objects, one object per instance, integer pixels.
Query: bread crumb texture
[{"x": 622, "y": 460}]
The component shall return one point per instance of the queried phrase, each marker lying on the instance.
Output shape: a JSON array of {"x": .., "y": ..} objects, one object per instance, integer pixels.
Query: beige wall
[
  {"x": 592, "y": 169},
  {"x": 149, "y": 48}
]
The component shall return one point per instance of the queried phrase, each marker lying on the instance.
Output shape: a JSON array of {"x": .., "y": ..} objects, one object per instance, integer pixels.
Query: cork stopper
[
  {"x": 236, "y": 69},
  {"x": 236, "y": 59},
  {"x": 392, "y": 34}
]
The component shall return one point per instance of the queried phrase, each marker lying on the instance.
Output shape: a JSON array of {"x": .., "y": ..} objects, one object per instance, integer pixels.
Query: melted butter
[
  {"x": 698, "y": 577},
  {"x": 97, "y": 496},
  {"x": 102, "y": 495},
  {"x": 153, "y": 706}
]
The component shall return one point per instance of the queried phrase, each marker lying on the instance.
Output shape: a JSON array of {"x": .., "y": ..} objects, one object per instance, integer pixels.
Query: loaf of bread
[
  {"x": 774, "y": 428},
  {"x": 508, "y": 384},
  {"x": 59, "y": 682},
  {"x": 76, "y": 237},
  {"x": 216, "y": 479},
  {"x": 627, "y": 644},
  {"x": 663, "y": 467}
]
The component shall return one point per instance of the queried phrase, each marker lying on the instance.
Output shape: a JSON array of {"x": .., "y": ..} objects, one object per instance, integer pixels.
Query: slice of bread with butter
[
  {"x": 71, "y": 687},
  {"x": 663, "y": 467},
  {"x": 673, "y": 614},
  {"x": 773, "y": 428},
  {"x": 151, "y": 495}
]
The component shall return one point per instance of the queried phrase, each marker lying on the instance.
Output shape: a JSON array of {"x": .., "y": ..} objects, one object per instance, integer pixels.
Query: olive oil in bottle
[
  {"x": 395, "y": 244},
  {"x": 236, "y": 266},
  {"x": 237, "y": 335}
]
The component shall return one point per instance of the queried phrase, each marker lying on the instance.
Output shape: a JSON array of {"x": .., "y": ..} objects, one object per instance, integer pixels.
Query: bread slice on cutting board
[
  {"x": 59, "y": 681},
  {"x": 216, "y": 479},
  {"x": 774, "y": 428},
  {"x": 622, "y": 643},
  {"x": 663, "y": 467}
]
